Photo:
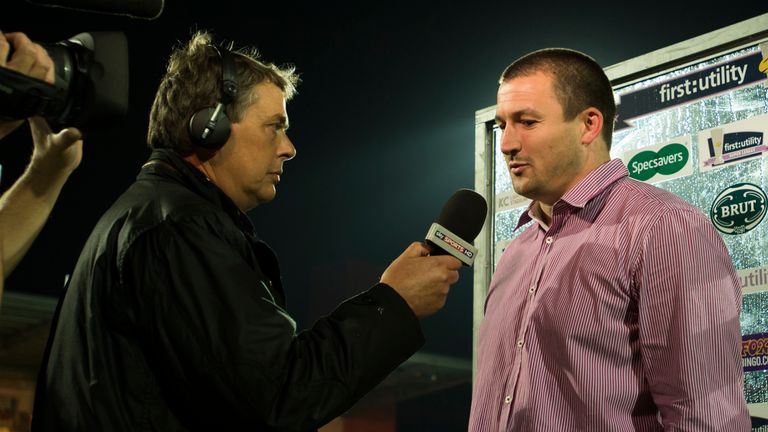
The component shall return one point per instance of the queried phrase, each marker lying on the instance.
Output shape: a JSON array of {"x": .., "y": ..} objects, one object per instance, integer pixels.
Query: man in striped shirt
[{"x": 617, "y": 309}]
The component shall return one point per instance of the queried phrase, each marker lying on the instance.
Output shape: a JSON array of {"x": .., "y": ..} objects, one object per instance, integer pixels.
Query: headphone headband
[
  {"x": 228, "y": 75},
  {"x": 210, "y": 127}
]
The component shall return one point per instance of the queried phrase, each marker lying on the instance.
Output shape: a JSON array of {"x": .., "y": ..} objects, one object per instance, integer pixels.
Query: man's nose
[
  {"x": 510, "y": 144},
  {"x": 287, "y": 149}
]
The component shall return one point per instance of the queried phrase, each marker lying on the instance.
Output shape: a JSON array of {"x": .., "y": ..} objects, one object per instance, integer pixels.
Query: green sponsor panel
[{"x": 669, "y": 160}]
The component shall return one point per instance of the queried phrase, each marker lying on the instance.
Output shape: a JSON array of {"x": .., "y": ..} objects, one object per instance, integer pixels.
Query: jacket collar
[{"x": 169, "y": 164}]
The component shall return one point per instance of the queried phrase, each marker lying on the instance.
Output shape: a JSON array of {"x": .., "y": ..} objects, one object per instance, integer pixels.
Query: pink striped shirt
[{"x": 622, "y": 315}]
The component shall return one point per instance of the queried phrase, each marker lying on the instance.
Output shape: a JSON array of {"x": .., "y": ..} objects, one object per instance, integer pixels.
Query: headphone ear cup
[{"x": 217, "y": 135}]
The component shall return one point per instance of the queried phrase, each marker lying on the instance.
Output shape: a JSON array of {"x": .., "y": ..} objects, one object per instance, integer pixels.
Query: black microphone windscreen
[
  {"x": 464, "y": 214},
  {"x": 144, "y": 9}
]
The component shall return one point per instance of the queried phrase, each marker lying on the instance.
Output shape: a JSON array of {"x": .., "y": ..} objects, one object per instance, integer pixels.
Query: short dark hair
[
  {"x": 192, "y": 81},
  {"x": 579, "y": 82}
]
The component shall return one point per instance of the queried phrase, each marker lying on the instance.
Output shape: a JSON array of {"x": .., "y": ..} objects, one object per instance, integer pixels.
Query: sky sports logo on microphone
[
  {"x": 454, "y": 244},
  {"x": 451, "y": 243}
]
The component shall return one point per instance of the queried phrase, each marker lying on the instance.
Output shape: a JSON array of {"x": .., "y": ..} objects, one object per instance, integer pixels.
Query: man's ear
[{"x": 592, "y": 125}]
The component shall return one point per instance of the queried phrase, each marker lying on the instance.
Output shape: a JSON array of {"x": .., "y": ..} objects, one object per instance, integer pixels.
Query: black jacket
[{"x": 174, "y": 320}]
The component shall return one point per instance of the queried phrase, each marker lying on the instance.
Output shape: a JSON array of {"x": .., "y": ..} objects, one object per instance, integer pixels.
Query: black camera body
[{"x": 90, "y": 89}]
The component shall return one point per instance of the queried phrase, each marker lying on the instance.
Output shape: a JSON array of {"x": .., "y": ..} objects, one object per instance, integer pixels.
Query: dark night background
[{"x": 383, "y": 124}]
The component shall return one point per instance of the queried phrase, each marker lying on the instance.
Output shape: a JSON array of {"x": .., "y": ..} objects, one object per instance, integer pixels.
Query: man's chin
[
  {"x": 519, "y": 186},
  {"x": 267, "y": 197},
  {"x": 257, "y": 201}
]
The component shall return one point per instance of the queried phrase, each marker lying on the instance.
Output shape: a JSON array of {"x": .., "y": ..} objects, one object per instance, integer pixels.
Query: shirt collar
[{"x": 585, "y": 190}]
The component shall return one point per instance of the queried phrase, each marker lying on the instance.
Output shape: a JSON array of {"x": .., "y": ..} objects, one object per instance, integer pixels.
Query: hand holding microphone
[
  {"x": 423, "y": 273},
  {"x": 422, "y": 280}
]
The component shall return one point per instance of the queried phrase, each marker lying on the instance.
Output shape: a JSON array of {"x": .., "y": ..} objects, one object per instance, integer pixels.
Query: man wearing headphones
[{"x": 175, "y": 319}]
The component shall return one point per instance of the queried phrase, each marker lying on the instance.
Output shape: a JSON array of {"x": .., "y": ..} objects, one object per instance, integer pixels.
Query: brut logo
[
  {"x": 739, "y": 208},
  {"x": 668, "y": 160}
]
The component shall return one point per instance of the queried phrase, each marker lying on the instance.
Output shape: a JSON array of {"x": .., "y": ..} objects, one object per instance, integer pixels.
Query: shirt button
[
  {"x": 532, "y": 289},
  {"x": 508, "y": 399},
  {"x": 520, "y": 343},
  {"x": 548, "y": 240}
]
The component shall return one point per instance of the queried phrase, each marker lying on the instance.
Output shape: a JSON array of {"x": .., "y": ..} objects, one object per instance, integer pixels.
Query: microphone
[
  {"x": 460, "y": 221},
  {"x": 142, "y": 9}
]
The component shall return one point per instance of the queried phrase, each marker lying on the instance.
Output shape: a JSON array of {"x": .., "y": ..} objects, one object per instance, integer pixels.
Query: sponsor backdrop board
[
  {"x": 696, "y": 129},
  {"x": 725, "y": 126}
]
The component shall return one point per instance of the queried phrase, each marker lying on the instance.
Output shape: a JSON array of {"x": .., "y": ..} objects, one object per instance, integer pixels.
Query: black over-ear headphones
[{"x": 210, "y": 127}]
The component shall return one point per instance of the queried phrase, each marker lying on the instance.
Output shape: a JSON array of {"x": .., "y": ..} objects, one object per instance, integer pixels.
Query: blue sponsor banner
[{"x": 712, "y": 80}]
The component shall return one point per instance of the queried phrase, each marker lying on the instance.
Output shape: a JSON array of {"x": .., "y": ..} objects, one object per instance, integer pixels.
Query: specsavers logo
[
  {"x": 739, "y": 208},
  {"x": 668, "y": 160}
]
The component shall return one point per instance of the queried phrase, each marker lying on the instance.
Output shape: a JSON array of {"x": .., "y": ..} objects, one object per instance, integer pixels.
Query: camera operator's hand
[
  {"x": 55, "y": 155},
  {"x": 25, "y": 207},
  {"x": 27, "y": 58}
]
